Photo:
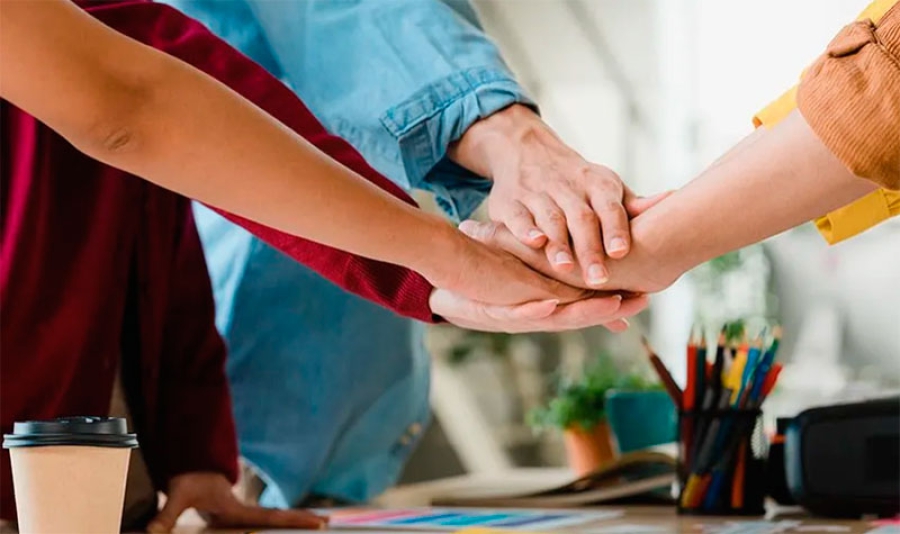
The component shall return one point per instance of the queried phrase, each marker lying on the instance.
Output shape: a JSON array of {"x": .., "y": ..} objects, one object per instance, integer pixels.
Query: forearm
[
  {"x": 273, "y": 176},
  {"x": 780, "y": 179}
]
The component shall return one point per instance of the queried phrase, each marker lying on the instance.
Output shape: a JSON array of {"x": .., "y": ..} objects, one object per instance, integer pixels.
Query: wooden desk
[
  {"x": 666, "y": 521},
  {"x": 664, "y": 518}
]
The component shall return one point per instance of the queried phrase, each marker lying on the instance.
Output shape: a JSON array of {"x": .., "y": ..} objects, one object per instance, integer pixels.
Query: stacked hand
[
  {"x": 568, "y": 220},
  {"x": 549, "y": 196}
]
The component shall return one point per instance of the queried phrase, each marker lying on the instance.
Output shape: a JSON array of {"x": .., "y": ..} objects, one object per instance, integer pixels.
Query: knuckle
[
  {"x": 609, "y": 185},
  {"x": 583, "y": 170},
  {"x": 519, "y": 211},
  {"x": 584, "y": 215},
  {"x": 555, "y": 217},
  {"x": 608, "y": 173},
  {"x": 610, "y": 206}
]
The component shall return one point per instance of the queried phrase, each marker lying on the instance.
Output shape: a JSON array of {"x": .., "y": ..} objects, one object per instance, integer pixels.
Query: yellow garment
[{"x": 866, "y": 212}]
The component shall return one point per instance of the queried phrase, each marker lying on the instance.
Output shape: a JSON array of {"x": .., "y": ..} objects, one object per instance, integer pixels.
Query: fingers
[
  {"x": 521, "y": 223},
  {"x": 474, "y": 315},
  {"x": 635, "y": 205},
  {"x": 551, "y": 219},
  {"x": 584, "y": 227},
  {"x": 497, "y": 236},
  {"x": 618, "y": 326},
  {"x": 242, "y": 515},
  {"x": 632, "y": 306},
  {"x": 534, "y": 317},
  {"x": 610, "y": 312},
  {"x": 529, "y": 311},
  {"x": 485, "y": 232},
  {"x": 165, "y": 520},
  {"x": 606, "y": 200}
]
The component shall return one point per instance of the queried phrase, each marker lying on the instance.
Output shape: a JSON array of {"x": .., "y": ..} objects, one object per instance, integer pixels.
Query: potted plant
[{"x": 579, "y": 409}]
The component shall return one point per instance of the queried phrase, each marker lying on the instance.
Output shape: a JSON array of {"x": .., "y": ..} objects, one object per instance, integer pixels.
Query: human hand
[
  {"x": 541, "y": 316},
  {"x": 472, "y": 270},
  {"x": 544, "y": 192},
  {"x": 210, "y": 494},
  {"x": 642, "y": 271}
]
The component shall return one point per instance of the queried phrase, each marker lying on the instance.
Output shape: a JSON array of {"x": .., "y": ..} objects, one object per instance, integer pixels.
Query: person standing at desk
[{"x": 419, "y": 89}]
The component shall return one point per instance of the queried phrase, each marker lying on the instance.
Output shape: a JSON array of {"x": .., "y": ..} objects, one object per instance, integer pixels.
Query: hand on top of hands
[
  {"x": 560, "y": 215},
  {"x": 550, "y": 197}
]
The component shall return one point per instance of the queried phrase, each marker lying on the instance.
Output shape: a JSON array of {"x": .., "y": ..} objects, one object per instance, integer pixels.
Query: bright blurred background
[{"x": 656, "y": 90}]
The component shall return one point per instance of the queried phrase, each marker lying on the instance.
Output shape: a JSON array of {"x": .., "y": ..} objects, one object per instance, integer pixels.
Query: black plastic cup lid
[{"x": 89, "y": 431}]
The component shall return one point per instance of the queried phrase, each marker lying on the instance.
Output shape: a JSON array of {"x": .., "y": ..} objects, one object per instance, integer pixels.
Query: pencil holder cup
[{"x": 721, "y": 462}]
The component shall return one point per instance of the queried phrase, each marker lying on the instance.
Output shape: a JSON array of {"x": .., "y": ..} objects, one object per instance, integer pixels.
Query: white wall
[{"x": 749, "y": 52}]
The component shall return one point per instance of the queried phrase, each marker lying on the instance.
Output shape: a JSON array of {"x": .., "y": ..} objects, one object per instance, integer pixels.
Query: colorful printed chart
[{"x": 462, "y": 518}]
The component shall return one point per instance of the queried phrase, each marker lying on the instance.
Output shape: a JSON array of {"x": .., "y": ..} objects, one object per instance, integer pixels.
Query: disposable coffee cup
[{"x": 69, "y": 474}]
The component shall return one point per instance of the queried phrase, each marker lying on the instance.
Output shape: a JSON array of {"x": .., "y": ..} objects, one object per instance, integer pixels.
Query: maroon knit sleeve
[
  {"x": 195, "y": 428},
  {"x": 166, "y": 29}
]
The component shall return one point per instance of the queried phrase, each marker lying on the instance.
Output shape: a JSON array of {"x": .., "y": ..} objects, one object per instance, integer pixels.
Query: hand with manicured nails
[{"x": 210, "y": 494}]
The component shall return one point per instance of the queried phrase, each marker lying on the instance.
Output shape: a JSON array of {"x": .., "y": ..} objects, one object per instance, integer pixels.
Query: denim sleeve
[{"x": 398, "y": 79}]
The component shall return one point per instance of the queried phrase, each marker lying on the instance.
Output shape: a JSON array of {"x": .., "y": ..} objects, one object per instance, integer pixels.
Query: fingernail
[
  {"x": 617, "y": 245},
  {"x": 563, "y": 258},
  {"x": 597, "y": 274},
  {"x": 535, "y": 235},
  {"x": 627, "y": 323},
  {"x": 554, "y": 301}
]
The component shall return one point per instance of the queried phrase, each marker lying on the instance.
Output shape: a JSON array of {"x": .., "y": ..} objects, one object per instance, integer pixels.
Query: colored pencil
[
  {"x": 718, "y": 404},
  {"x": 664, "y": 375}
]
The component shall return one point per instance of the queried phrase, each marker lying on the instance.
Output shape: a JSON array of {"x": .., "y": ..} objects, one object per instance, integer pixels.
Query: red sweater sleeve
[
  {"x": 195, "y": 428},
  {"x": 168, "y": 30}
]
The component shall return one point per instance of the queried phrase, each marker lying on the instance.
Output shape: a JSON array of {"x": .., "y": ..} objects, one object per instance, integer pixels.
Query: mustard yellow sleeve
[
  {"x": 866, "y": 212},
  {"x": 855, "y": 218}
]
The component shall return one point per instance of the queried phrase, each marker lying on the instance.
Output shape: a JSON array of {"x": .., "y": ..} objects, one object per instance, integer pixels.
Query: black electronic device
[{"x": 844, "y": 460}]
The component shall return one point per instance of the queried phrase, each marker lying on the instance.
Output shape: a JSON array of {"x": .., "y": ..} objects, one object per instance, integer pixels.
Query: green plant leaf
[{"x": 582, "y": 402}]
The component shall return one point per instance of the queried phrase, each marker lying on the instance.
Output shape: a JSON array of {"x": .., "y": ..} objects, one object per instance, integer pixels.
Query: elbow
[
  {"x": 116, "y": 139},
  {"x": 117, "y": 129}
]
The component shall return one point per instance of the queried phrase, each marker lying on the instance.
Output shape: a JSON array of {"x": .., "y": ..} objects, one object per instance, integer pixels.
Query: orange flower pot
[{"x": 588, "y": 450}]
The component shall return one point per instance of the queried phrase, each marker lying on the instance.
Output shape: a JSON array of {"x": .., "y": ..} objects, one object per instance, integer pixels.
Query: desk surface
[
  {"x": 663, "y": 518},
  {"x": 666, "y": 521}
]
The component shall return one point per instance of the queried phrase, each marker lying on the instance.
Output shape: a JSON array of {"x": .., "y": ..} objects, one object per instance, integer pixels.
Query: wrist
[
  {"x": 435, "y": 248},
  {"x": 662, "y": 249},
  {"x": 493, "y": 139}
]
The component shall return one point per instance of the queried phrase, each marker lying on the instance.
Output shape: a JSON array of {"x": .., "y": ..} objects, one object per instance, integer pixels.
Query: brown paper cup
[{"x": 69, "y": 478}]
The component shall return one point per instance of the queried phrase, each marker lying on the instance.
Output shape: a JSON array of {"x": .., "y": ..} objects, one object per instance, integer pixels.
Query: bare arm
[
  {"x": 779, "y": 179},
  {"x": 137, "y": 109}
]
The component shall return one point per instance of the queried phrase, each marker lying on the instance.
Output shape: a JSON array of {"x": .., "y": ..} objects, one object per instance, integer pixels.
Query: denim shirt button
[
  {"x": 415, "y": 429},
  {"x": 405, "y": 440}
]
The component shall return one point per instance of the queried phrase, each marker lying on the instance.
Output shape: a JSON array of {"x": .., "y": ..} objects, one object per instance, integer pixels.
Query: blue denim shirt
[{"x": 331, "y": 392}]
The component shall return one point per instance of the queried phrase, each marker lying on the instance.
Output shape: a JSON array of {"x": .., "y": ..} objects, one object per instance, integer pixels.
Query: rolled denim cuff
[{"x": 439, "y": 114}]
